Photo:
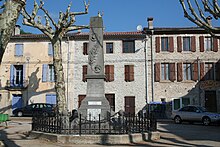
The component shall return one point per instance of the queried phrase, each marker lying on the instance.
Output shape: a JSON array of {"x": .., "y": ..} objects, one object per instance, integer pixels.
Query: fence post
[{"x": 80, "y": 116}]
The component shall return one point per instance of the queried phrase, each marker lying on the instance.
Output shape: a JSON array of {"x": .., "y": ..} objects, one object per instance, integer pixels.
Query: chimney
[
  {"x": 17, "y": 30},
  {"x": 150, "y": 23}
]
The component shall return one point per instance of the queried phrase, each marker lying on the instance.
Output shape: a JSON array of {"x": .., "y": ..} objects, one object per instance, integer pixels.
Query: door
[
  {"x": 16, "y": 101},
  {"x": 51, "y": 99},
  {"x": 210, "y": 101},
  {"x": 130, "y": 105}
]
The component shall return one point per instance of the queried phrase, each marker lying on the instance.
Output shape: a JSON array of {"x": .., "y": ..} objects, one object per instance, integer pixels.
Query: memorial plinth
[{"x": 95, "y": 102}]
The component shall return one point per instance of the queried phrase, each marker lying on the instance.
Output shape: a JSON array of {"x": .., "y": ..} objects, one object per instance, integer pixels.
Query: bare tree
[
  {"x": 9, "y": 12},
  {"x": 55, "y": 32},
  {"x": 201, "y": 12}
]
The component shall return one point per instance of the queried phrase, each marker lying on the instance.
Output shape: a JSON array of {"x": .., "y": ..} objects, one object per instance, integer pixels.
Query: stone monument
[{"x": 95, "y": 102}]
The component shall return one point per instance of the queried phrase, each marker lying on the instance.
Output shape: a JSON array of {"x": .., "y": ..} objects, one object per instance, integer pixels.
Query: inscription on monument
[
  {"x": 94, "y": 103},
  {"x": 93, "y": 114}
]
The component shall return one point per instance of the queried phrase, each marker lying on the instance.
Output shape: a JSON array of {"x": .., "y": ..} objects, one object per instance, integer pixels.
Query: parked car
[
  {"x": 192, "y": 113},
  {"x": 43, "y": 109}
]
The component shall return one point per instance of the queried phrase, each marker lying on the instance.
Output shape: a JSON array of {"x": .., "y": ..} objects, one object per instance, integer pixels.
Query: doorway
[{"x": 210, "y": 101}]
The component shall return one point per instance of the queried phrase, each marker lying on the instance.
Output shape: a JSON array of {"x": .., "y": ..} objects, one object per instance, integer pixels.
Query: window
[
  {"x": 109, "y": 73},
  {"x": 164, "y": 44},
  {"x": 208, "y": 44},
  {"x": 129, "y": 73},
  {"x": 48, "y": 73},
  {"x": 209, "y": 71},
  {"x": 128, "y": 46},
  {"x": 50, "y": 49},
  {"x": 186, "y": 44},
  {"x": 187, "y": 71},
  {"x": 17, "y": 75},
  {"x": 109, "y": 48},
  {"x": 85, "y": 48},
  {"x": 165, "y": 71},
  {"x": 84, "y": 73},
  {"x": 18, "y": 49}
]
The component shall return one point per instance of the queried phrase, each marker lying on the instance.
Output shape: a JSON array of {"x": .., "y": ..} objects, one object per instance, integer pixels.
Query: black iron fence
[{"x": 79, "y": 126}]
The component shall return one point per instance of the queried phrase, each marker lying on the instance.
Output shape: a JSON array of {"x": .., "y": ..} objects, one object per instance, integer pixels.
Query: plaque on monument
[
  {"x": 95, "y": 102},
  {"x": 93, "y": 114}
]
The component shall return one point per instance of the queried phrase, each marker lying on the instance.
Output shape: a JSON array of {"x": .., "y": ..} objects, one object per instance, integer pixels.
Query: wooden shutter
[
  {"x": 215, "y": 44},
  {"x": 126, "y": 73},
  {"x": 195, "y": 71},
  {"x": 193, "y": 43},
  {"x": 84, "y": 73},
  {"x": 157, "y": 44},
  {"x": 129, "y": 73},
  {"x": 107, "y": 73},
  {"x": 85, "y": 48},
  {"x": 217, "y": 66},
  {"x": 202, "y": 71},
  {"x": 111, "y": 73},
  {"x": 179, "y": 44},
  {"x": 201, "y": 43},
  {"x": 157, "y": 72},
  {"x": 171, "y": 45},
  {"x": 172, "y": 72},
  {"x": 179, "y": 72},
  {"x": 111, "y": 100}
]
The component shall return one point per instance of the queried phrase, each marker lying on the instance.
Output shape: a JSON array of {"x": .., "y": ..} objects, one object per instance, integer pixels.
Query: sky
[{"x": 119, "y": 15}]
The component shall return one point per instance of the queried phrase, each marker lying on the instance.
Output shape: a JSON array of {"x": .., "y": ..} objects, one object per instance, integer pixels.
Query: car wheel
[
  {"x": 20, "y": 114},
  {"x": 206, "y": 121},
  {"x": 177, "y": 120}
]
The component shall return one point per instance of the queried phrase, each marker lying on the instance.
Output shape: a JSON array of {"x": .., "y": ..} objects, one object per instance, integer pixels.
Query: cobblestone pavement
[{"x": 15, "y": 135}]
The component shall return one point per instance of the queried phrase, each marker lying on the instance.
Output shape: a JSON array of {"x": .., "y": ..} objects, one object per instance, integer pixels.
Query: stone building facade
[{"x": 180, "y": 66}]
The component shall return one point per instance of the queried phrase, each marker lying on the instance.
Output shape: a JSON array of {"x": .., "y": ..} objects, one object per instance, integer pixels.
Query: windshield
[{"x": 202, "y": 109}]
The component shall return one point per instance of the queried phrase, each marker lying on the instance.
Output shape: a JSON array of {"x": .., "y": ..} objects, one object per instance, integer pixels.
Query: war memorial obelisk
[{"x": 95, "y": 102}]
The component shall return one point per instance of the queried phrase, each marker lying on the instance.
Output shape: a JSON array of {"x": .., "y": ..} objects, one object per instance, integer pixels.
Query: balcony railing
[{"x": 11, "y": 85}]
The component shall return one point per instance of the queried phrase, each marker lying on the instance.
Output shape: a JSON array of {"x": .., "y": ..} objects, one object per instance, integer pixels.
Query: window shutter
[
  {"x": 172, "y": 72},
  {"x": 50, "y": 49},
  {"x": 24, "y": 73},
  {"x": 53, "y": 76},
  {"x": 179, "y": 44},
  {"x": 84, "y": 73},
  {"x": 111, "y": 73},
  {"x": 157, "y": 44},
  {"x": 201, "y": 43},
  {"x": 193, "y": 43},
  {"x": 157, "y": 72},
  {"x": 107, "y": 73},
  {"x": 202, "y": 71},
  {"x": 85, "y": 48},
  {"x": 179, "y": 72},
  {"x": 44, "y": 72},
  {"x": 80, "y": 99},
  {"x": 215, "y": 44},
  {"x": 217, "y": 66},
  {"x": 126, "y": 73},
  {"x": 195, "y": 71},
  {"x": 12, "y": 73},
  {"x": 171, "y": 45},
  {"x": 131, "y": 72}
]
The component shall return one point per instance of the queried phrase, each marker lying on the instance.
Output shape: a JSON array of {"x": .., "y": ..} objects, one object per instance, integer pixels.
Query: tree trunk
[
  {"x": 59, "y": 77},
  {"x": 8, "y": 19}
]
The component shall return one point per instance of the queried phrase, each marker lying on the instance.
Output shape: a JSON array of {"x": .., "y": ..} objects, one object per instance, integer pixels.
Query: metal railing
[
  {"x": 12, "y": 85},
  {"x": 79, "y": 126}
]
